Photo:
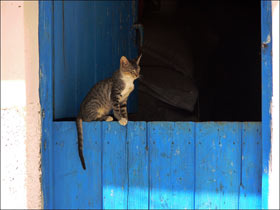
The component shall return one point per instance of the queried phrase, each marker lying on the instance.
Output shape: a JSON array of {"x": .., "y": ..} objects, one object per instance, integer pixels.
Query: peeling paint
[{"x": 268, "y": 40}]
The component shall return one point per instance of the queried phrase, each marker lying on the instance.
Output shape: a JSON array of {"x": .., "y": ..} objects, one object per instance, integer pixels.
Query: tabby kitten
[{"x": 108, "y": 94}]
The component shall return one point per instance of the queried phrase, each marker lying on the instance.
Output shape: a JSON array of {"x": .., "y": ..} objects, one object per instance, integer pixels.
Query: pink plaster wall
[
  {"x": 33, "y": 108},
  {"x": 20, "y": 107}
]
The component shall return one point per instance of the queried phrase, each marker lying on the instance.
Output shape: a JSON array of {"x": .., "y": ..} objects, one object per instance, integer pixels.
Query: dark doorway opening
[{"x": 209, "y": 52}]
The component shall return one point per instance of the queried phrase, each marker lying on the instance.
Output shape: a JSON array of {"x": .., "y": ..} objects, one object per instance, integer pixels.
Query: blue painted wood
[
  {"x": 266, "y": 21},
  {"x": 160, "y": 147},
  {"x": 73, "y": 186},
  {"x": 218, "y": 152},
  {"x": 115, "y": 40},
  {"x": 183, "y": 159},
  {"x": 138, "y": 185},
  {"x": 171, "y": 165},
  {"x": 66, "y": 185},
  {"x": 89, "y": 39},
  {"x": 250, "y": 187},
  {"x": 192, "y": 165},
  {"x": 46, "y": 96},
  {"x": 114, "y": 166}
]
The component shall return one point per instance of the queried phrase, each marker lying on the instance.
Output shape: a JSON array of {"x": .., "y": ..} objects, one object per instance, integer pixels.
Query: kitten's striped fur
[{"x": 108, "y": 94}]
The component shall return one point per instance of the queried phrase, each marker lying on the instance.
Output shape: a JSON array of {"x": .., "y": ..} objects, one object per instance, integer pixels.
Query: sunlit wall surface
[{"x": 20, "y": 108}]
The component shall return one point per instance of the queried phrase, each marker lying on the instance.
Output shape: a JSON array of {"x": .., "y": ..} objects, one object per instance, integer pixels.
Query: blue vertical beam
[
  {"x": 251, "y": 177},
  {"x": 46, "y": 97},
  {"x": 74, "y": 187},
  {"x": 59, "y": 60},
  {"x": 218, "y": 152},
  {"x": 206, "y": 167},
  {"x": 182, "y": 167},
  {"x": 161, "y": 149},
  {"x": 138, "y": 188},
  {"x": 171, "y": 147},
  {"x": 114, "y": 166},
  {"x": 266, "y": 21},
  {"x": 104, "y": 23}
]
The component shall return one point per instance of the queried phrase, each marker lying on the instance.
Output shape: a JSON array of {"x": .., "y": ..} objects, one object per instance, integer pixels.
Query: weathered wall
[
  {"x": 20, "y": 107},
  {"x": 274, "y": 164}
]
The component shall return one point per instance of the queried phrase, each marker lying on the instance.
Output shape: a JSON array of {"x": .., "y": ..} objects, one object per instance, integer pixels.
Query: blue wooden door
[
  {"x": 145, "y": 165},
  {"x": 89, "y": 39},
  {"x": 159, "y": 165}
]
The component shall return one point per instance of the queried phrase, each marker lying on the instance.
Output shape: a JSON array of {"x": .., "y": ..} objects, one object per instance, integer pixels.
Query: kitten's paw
[
  {"x": 109, "y": 119},
  {"x": 123, "y": 121}
]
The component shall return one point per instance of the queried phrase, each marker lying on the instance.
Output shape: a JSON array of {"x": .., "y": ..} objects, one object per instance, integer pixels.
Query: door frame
[
  {"x": 46, "y": 58},
  {"x": 266, "y": 53}
]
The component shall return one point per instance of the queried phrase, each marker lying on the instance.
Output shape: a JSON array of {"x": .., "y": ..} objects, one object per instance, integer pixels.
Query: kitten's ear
[
  {"x": 138, "y": 59},
  {"x": 124, "y": 61}
]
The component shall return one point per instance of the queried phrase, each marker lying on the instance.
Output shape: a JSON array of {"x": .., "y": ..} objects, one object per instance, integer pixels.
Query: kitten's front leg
[
  {"x": 123, "y": 107},
  {"x": 115, "y": 97},
  {"x": 121, "y": 114},
  {"x": 124, "y": 117},
  {"x": 119, "y": 108}
]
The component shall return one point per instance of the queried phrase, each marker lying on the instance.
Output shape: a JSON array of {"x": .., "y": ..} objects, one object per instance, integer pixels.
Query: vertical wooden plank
[
  {"x": 121, "y": 32},
  {"x": 266, "y": 36},
  {"x": 46, "y": 97},
  {"x": 73, "y": 186},
  {"x": 171, "y": 165},
  {"x": 161, "y": 148},
  {"x": 114, "y": 166},
  {"x": 182, "y": 173},
  {"x": 103, "y": 38},
  {"x": 206, "y": 156},
  {"x": 79, "y": 26},
  {"x": 59, "y": 69},
  {"x": 74, "y": 55},
  {"x": 90, "y": 37},
  {"x": 218, "y": 153},
  {"x": 112, "y": 35},
  {"x": 138, "y": 189},
  {"x": 250, "y": 188}
]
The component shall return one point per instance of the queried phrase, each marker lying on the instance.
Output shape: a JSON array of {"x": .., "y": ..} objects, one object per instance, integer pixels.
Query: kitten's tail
[{"x": 79, "y": 124}]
